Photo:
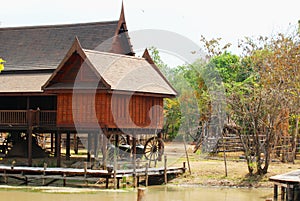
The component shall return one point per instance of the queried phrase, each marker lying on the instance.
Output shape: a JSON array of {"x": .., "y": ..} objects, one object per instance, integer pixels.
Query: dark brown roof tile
[{"x": 43, "y": 47}]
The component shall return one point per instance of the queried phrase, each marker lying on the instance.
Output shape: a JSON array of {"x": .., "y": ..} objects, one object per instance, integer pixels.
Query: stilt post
[
  {"x": 58, "y": 148},
  {"x": 68, "y": 147},
  {"x": 276, "y": 191},
  {"x": 29, "y": 136}
]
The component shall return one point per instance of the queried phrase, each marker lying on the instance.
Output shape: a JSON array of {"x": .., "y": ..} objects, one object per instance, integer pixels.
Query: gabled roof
[
  {"x": 120, "y": 72},
  {"x": 43, "y": 47}
]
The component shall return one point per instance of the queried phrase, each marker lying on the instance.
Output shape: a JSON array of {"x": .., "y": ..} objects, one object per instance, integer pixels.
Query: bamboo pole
[
  {"x": 187, "y": 155},
  {"x": 165, "y": 170},
  {"x": 225, "y": 158}
]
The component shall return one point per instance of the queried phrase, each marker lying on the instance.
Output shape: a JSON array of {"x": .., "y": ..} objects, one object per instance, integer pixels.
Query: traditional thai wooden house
[{"x": 78, "y": 78}]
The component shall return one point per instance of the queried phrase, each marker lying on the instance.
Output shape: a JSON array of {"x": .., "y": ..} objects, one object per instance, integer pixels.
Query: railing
[
  {"x": 47, "y": 117},
  {"x": 13, "y": 117},
  {"x": 28, "y": 117}
]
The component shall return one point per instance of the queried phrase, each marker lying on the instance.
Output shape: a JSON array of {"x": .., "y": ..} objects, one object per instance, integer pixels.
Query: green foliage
[
  {"x": 181, "y": 113},
  {"x": 172, "y": 112},
  {"x": 227, "y": 66},
  {"x": 172, "y": 116},
  {"x": 1, "y": 64},
  {"x": 261, "y": 87}
]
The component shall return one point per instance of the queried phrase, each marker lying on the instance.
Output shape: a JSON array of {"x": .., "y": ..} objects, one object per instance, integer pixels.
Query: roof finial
[
  {"x": 147, "y": 56},
  {"x": 122, "y": 15}
]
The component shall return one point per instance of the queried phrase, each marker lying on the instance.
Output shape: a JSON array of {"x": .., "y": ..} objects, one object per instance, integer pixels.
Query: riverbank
[
  {"x": 210, "y": 171},
  {"x": 205, "y": 171}
]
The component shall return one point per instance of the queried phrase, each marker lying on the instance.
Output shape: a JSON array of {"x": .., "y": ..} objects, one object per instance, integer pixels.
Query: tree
[
  {"x": 262, "y": 90},
  {"x": 181, "y": 113},
  {"x": 262, "y": 104},
  {"x": 172, "y": 112}
]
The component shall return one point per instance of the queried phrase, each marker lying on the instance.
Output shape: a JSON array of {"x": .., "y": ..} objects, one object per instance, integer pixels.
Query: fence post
[
  {"x": 44, "y": 173},
  {"x": 146, "y": 174},
  {"x": 141, "y": 194}
]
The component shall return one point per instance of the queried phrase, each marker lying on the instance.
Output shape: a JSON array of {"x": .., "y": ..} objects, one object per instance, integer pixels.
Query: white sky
[{"x": 228, "y": 19}]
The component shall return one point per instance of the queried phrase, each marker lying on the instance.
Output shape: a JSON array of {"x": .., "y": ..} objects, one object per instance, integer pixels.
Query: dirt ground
[{"x": 210, "y": 171}]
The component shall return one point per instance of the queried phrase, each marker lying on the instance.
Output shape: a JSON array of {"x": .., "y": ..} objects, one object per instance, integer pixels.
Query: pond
[{"x": 164, "y": 193}]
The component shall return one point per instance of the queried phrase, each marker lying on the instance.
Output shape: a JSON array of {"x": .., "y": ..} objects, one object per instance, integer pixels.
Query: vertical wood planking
[{"x": 125, "y": 108}]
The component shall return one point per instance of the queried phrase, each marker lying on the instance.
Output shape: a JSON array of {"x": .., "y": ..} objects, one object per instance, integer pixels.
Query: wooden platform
[
  {"x": 47, "y": 176},
  {"x": 289, "y": 184}
]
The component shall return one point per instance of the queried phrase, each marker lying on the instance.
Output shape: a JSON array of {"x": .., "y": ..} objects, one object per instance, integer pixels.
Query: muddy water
[{"x": 152, "y": 194}]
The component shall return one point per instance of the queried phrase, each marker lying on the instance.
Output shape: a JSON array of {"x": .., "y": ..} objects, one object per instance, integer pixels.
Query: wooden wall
[{"x": 112, "y": 111}]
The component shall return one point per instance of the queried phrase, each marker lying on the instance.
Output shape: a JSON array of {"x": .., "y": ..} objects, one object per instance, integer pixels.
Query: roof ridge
[
  {"x": 113, "y": 54},
  {"x": 58, "y": 25}
]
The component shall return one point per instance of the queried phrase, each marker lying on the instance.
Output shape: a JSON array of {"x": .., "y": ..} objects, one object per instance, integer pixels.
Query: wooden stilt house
[{"x": 78, "y": 78}]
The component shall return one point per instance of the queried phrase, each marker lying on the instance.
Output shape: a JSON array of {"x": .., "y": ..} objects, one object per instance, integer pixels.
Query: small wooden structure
[
  {"x": 46, "y": 175},
  {"x": 95, "y": 87},
  {"x": 289, "y": 185}
]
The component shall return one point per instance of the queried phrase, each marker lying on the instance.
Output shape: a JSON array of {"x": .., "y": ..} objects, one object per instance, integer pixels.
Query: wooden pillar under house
[
  {"x": 128, "y": 139},
  {"x": 52, "y": 142},
  {"x": 58, "y": 148},
  {"x": 134, "y": 160},
  {"x": 68, "y": 147},
  {"x": 89, "y": 147},
  {"x": 134, "y": 144},
  {"x": 96, "y": 144},
  {"x": 29, "y": 136},
  {"x": 76, "y": 143},
  {"x": 103, "y": 142}
]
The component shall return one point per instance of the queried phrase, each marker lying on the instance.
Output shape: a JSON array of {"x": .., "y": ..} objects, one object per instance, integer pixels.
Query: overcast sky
[{"x": 230, "y": 19}]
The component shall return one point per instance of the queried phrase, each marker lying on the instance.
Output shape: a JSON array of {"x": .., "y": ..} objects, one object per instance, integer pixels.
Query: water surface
[{"x": 163, "y": 193}]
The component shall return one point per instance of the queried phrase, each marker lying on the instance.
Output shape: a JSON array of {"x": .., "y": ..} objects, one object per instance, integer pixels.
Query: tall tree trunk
[
  {"x": 295, "y": 137},
  {"x": 250, "y": 164}
]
